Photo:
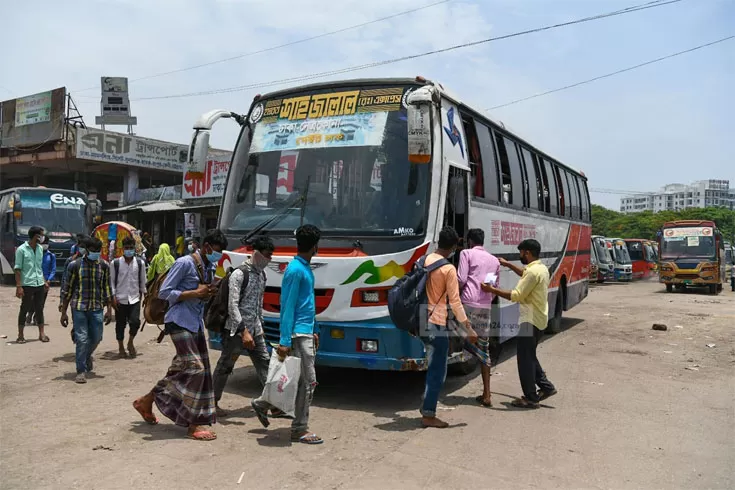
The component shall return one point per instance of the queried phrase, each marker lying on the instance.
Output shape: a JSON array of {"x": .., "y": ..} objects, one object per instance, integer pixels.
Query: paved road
[{"x": 629, "y": 414}]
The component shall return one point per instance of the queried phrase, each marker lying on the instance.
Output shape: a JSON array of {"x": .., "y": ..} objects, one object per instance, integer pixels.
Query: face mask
[
  {"x": 190, "y": 248},
  {"x": 129, "y": 253},
  {"x": 45, "y": 247},
  {"x": 260, "y": 261},
  {"x": 93, "y": 256},
  {"x": 214, "y": 257},
  {"x": 41, "y": 238},
  {"x": 82, "y": 250}
]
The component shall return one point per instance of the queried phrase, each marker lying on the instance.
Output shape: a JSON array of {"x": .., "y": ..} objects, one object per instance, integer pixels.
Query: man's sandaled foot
[
  {"x": 80, "y": 379},
  {"x": 307, "y": 438},
  {"x": 524, "y": 402},
  {"x": 20, "y": 340},
  {"x": 44, "y": 338},
  {"x": 279, "y": 414},
  {"x": 145, "y": 412},
  {"x": 262, "y": 416},
  {"x": 122, "y": 354},
  {"x": 543, "y": 395},
  {"x": 132, "y": 351},
  {"x": 434, "y": 422},
  {"x": 200, "y": 434},
  {"x": 485, "y": 402}
]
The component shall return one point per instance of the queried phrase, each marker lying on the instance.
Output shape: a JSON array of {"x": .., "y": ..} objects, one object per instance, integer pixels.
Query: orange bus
[{"x": 642, "y": 256}]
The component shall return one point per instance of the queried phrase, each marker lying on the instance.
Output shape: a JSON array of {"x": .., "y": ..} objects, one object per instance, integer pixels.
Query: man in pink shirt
[{"x": 475, "y": 264}]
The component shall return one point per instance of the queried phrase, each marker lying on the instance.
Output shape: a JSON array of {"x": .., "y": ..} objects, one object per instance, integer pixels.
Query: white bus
[{"x": 337, "y": 155}]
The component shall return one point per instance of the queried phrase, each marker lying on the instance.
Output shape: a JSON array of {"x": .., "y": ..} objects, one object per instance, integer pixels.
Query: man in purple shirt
[
  {"x": 475, "y": 264},
  {"x": 186, "y": 394}
]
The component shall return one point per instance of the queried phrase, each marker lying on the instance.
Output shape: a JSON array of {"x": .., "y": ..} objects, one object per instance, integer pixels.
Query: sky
[{"x": 667, "y": 122}]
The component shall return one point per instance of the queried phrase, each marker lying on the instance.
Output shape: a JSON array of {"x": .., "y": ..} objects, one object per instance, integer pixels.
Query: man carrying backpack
[
  {"x": 244, "y": 324},
  {"x": 442, "y": 287},
  {"x": 127, "y": 276}
]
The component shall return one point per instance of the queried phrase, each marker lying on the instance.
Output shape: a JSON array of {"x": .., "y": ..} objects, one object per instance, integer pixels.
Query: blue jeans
[
  {"x": 437, "y": 351},
  {"x": 88, "y": 331}
]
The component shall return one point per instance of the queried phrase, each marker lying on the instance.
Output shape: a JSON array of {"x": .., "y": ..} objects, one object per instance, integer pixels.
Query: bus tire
[
  {"x": 669, "y": 288},
  {"x": 554, "y": 325},
  {"x": 713, "y": 289},
  {"x": 463, "y": 368}
]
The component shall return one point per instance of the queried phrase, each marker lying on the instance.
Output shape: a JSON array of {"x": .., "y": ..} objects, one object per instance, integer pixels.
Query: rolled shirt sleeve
[
  {"x": 169, "y": 291},
  {"x": 18, "y": 259}
]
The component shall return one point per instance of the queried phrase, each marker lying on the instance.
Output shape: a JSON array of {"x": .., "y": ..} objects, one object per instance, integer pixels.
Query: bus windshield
[
  {"x": 602, "y": 255},
  {"x": 621, "y": 253},
  {"x": 650, "y": 253},
  {"x": 342, "y": 166},
  {"x": 693, "y": 242},
  {"x": 59, "y": 213},
  {"x": 635, "y": 250}
]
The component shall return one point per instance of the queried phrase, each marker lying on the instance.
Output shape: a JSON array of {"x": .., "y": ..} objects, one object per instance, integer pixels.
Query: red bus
[{"x": 642, "y": 256}]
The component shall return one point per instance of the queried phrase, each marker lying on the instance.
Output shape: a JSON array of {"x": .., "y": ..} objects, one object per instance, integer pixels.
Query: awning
[{"x": 158, "y": 206}]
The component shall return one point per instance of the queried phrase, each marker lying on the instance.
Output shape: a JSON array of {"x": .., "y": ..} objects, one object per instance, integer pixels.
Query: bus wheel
[
  {"x": 669, "y": 288},
  {"x": 713, "y": 289},
  {"x": 463, "y": 368},
  {"x": 555, "y": 323}
]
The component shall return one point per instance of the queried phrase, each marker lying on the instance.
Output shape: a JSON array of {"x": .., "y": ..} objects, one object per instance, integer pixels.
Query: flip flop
[
  {"x": 44, "y": 338},
  {"x": 523, "y": 402},
  {"x": 20, "y": 341},
  {"x": 481, "y": 400},
  {"x": 305, "y": 439},
  {"x": 279, "y": 414},
  {"x": 199, "y": 435},
  {"x": 262, "y": 416},
  {"x": 149, "y": 417}
]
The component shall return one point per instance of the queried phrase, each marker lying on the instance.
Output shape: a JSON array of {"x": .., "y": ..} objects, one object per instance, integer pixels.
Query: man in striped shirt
[{"x": 87, "y": 289}]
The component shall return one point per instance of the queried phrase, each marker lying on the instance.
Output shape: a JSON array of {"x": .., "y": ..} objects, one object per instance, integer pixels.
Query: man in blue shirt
[
  {"x": 186, "y": 394},
  {"x": 299, "y": 336},
  {"x": 49, "y": 274}
]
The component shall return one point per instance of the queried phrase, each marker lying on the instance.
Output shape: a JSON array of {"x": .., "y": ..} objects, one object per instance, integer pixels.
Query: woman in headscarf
[{"x": 161, "y": 262}]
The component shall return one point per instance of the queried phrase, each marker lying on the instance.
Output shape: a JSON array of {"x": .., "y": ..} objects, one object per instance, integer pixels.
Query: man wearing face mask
[
  {"x": 128, "y": 287},
  {"x": 186, "y": 395},
  {"x": 30, "y": 282},
  {"x": 531, "y": 294},
  {"x": 87, "y": 289},
  {"x": 244, "y": 326},
  {"x": 49, "y": 273}
]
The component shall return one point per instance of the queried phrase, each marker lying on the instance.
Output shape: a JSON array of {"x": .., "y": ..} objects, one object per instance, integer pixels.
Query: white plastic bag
[{"x": 282, "y": 383}]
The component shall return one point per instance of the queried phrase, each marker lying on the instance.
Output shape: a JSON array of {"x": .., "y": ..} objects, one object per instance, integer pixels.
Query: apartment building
[{"x": 699, "y": 194}]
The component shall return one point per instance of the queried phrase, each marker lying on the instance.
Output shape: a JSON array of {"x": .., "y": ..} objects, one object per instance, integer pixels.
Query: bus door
[
  {"x": 457, "y": 204},
  {"x": 7, "y": 234}
]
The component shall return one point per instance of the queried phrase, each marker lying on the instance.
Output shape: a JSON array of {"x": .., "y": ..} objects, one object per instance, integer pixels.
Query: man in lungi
[
  {"x": 186, "y": 394},
  {"x": 476, "y": 265}
]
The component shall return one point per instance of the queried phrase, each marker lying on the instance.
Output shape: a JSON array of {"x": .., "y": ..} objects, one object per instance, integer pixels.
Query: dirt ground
[{"x": 636, "y": 408}]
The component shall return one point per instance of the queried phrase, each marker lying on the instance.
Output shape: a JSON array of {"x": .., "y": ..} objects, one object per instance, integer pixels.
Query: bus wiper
[
  {"x": 303, "y": 201},
  {"x": 246, "y": 240}
]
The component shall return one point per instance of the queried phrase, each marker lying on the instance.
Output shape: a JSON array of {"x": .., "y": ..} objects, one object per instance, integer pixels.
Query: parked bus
[
  {"x": 621, "y": 259},
  {"x": 594, "y": 266},
  {"x": 729, "y": 258},
  {"x": 642, "y": 258},
  {"x": 605, "y": 263},
  {"x": 62, "y": 213},
  {"x": 380, "y": 166},
  {"x": 692, "y": 254}
]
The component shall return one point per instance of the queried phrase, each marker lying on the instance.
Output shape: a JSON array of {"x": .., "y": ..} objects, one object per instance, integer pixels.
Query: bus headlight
[
  {"x": 367, "y": 345},
  {"x": 370, "y": 297}
]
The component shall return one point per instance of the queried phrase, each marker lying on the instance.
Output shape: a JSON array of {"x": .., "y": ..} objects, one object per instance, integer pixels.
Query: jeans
[
  {"x": 437, "y": 351},
  {"x": 127, "y": 315},
  {"x": 303, "y": 348},
  {"x": 88, "y": 331},
  {"x": 32, "y": 302},
  {"x": 231, "y": 350},
  {"x": 529, "y": 369}
]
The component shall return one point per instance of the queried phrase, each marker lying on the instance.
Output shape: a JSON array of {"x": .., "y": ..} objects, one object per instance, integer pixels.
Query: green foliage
[{"x": 645, "y": 224}]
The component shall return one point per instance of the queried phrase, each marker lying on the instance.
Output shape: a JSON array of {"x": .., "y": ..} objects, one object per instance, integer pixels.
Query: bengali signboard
[
  {"x": 212, "y": 182},
  {"x": 134, "y": 151},
  {"x": 325, "y": 120},
  {"x": 693, "y": 231},
  {"x": 33, "y": 109}
]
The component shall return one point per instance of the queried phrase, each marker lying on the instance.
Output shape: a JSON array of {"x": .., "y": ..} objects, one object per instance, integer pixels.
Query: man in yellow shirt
[
  {"x": 180, "y": 244},
  {"x": 531, "y": 294}
]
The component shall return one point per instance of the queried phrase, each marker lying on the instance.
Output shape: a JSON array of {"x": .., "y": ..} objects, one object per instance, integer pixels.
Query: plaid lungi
[
  {"x": 485, "y": 323},
  {"x": 186, "y": 394}
]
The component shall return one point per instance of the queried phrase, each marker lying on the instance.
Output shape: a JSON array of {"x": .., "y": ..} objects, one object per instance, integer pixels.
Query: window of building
[{"x": 489, "y": 162}]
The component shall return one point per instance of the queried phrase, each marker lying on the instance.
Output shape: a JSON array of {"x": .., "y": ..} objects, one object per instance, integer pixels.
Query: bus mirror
[
  {"x": 198, "y": 150},
  {"x": 419, "y": 133},
  {"x": 17, "y": 207}
]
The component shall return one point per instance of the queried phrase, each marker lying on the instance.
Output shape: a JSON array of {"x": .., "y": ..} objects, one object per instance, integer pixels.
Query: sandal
[
  {"x": 543, "y": 395},
  {"x": 279, "y": 414},
  {"x": 202, "y": 435},
  {"x": 20, "y": 340},
  {"x": 481, "y": 400},
  {"x": 524, "y": 402},
  {"x": 262, "y": 416},
  {"x": 44, "y": 338},
  {"x": 149, "y": 417},
  {"x": 311, "y": 439}
]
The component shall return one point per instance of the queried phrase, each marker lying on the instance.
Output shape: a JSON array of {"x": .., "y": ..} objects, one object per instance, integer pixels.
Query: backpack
[
  {"x": 218, "y": 305},
  {"x": 407, "y": 298},
  {"x": 155, "y": 308},
  {"x": 116, "y": 264}
]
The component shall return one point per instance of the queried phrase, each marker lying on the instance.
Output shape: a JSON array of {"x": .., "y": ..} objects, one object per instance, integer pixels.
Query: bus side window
[
  {"x": 585, "y": 199},
  {"x": 489, "y": 162},
  {"x": 577, "y": 194},
  {"x": 573, "y": 195},
  {"x": 553, "y": 194},
  {"x": 506, "y": 187},
  {"x": 543, "y": 184},
  {"x": 563, "y": 186},
  {"x": 532, "y": 182},
  {"x": 516, "y": 175},
  {"x": 477, "y": 183}
]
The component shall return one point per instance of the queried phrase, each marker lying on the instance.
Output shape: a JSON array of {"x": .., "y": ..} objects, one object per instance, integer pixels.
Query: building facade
[{"x": 674, "y": 197}]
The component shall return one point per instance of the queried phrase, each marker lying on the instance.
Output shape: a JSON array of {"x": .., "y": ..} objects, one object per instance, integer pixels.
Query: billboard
[
  {"x": 134, "y": 151},
  {"x": 32, "y": 120},
  {"x": 212, "y": 182}
]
